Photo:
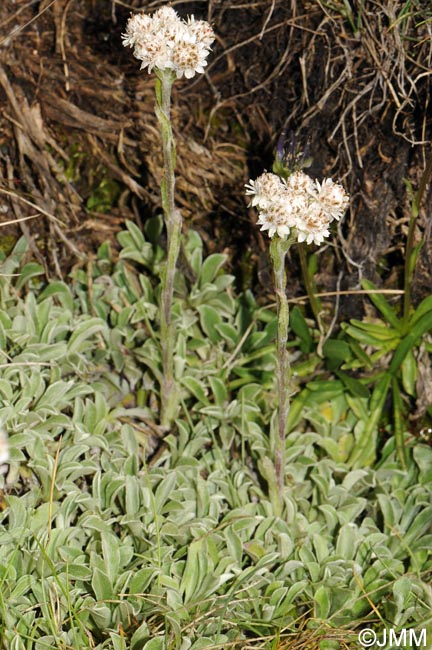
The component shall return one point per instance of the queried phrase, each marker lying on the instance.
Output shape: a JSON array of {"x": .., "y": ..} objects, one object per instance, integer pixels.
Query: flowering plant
[
  {"x": 292, "y": 208},
  {"x": 166, "y": 42},
  {"x": 173, "y": 48}
]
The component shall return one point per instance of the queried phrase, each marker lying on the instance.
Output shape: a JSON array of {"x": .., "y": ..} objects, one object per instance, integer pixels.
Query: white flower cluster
[
  {"x": 297, "y": 207},
  {"x": 166, "y": 42}
]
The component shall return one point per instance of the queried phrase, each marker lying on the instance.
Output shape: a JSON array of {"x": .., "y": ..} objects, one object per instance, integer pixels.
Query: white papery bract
[
  {"x": 164, "y": 41},
  {"x": 297, "y": 207}
]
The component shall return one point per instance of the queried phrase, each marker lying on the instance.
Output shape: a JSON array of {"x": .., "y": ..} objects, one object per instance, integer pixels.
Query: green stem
[
  {"x": 173, "y": 222},
  {"x": 411, "y": 253},
  {"x": 278, "y": 250}
]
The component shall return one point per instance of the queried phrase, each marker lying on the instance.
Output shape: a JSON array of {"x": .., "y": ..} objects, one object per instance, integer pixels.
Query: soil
[{"x": 80, "y": 151}]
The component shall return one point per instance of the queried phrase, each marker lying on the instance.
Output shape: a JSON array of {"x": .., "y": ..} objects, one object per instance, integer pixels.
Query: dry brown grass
[{"x": 78, "y": 113}]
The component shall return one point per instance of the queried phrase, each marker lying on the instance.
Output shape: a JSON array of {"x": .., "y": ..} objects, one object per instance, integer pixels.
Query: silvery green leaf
[
  {"x": 164, "y": 490},
  {"x": 196, "y": 388},
  {"x": 210, "y": 268},
  {"x": 322, "y": 599},
  {"x": 83, "y": 332},
  {"x": 111, "y": 555},
  {"x": 346, "y": 542},
  {"x": 402, "y": 591},
  {"x": 102, "y": 585},
  {"x": 157, "y": 643}
]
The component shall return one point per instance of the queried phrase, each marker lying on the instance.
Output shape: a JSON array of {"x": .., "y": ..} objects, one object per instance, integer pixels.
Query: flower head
[
  {"x": 297, "y": 207},
  {"x": 166, "y": 42},
  {"x": 333, "y": 198},
  {"x": 265, "y": 190}
]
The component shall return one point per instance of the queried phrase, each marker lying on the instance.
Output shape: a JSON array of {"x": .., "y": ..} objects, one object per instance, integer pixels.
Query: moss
[{"x": 7, "y": 242}]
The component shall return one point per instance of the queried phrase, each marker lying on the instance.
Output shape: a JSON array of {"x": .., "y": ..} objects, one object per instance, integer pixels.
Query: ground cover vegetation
[{"x": 122, "y": 529}]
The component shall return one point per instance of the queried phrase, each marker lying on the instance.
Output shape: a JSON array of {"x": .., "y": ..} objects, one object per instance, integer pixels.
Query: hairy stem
[
  {"x": 278, "y": 250},
  {"x": 173, "y": 223}
]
